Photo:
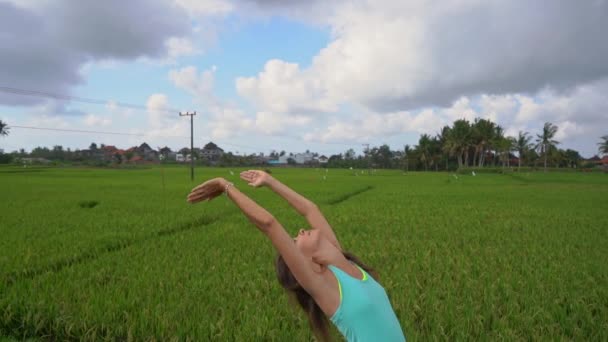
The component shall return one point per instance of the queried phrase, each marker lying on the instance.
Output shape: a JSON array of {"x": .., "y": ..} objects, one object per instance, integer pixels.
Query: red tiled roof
[{"x": 109, "y": 148}]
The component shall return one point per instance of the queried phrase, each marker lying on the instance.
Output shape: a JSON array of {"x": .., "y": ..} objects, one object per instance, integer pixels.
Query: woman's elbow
[{"x": 266, "y": 223}]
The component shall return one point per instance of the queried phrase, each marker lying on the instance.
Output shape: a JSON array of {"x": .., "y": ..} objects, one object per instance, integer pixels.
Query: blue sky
[{"x": 300, "y": 75}]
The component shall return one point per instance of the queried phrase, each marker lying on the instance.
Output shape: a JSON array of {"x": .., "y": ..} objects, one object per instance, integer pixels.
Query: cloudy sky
[{"x": 297, "y": 75}]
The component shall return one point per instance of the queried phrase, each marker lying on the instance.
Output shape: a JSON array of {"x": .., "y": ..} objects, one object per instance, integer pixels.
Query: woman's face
[{"x": 307, "y": 241}]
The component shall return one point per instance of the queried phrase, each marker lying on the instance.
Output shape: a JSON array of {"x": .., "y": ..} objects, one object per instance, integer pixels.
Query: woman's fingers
[
  {"x": 247, "y": 175},
  {"x": 195, "y": 196},
  {"x": 199, "y": 193},
  {"x": 207, "y": 184},
  {"x": 199, "y": 197},
  {"x": 202, "y": 195},
  {"x": 206, "y": 191}
]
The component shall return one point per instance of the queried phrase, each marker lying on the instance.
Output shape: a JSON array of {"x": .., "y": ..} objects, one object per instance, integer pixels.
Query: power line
[
  {"x": 36, "y": 93},
  {"x": 96, "y": 132},
  {"x": 248, "y": 147}
]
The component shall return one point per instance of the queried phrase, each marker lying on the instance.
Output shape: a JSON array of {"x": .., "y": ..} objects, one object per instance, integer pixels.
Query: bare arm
[
  {"x": 302, "y": 205},
  {"x": 301, "y": 267}
]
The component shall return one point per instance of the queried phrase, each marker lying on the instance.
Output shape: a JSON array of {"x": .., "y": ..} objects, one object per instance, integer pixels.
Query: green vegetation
[{"x": 90, "y": 254}]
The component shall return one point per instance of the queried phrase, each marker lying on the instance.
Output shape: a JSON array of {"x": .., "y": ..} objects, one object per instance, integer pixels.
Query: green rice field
[{"x": 105, "y": 254}]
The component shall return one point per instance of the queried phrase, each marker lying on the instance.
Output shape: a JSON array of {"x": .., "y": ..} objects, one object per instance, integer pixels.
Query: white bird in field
[
  {"x": 473, "y": 173},
  {"x": 324, "y": 177},
  {"x": 231, "y": 173}
]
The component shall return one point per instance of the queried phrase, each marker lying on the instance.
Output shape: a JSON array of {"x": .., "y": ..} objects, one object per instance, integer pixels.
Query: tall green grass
[{"x": 514, "y": 256}]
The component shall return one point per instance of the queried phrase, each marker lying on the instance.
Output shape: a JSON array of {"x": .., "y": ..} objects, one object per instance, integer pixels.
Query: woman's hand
[
  {"x": 208, "y": 190},
  {"x": 255, "y": 178}
]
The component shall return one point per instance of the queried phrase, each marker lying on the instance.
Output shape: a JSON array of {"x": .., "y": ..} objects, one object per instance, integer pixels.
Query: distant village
[{"x": 210, "y": 154}]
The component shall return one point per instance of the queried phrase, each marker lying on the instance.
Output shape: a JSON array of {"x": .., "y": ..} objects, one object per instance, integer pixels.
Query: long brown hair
[{"x": 316, "y": 317}]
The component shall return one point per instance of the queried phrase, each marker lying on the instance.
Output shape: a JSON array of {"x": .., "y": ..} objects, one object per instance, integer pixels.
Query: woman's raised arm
[
  {"x": 301, "y": 267},
  {"x": 302, "y": 205}
]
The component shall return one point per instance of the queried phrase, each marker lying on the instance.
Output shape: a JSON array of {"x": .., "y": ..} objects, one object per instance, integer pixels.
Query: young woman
[{"x": 327, "y": 282}]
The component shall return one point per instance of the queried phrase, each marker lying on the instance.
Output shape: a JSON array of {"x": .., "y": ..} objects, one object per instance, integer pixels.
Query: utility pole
[{"x": 191, "y": 115}]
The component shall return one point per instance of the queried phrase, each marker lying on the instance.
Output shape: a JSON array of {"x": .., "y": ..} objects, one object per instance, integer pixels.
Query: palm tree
[
  {"x": 406, "y": 154},
  {"x": 459, "y": 140},
  {"x": 435, "y": 150},
  {"x": 522, "y": 145},
  {"x": 603, "y": 145},
  {"x": 444, "y": 147},
  {"x": 482, "y": 132},
  {"x": 545, "y": 140},
  {"x": 504, "y": 146},
  {"x": 3, "y": 128},
  {"x": 496, "y": 142},
  {"x": 424, "y": 149}
]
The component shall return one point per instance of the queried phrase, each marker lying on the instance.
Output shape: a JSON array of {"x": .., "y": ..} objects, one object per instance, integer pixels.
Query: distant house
[
  {"x": 211, "y": 152},
  {"x": 146, "y": 152},
  {"x": 165, "y": 153},
  {"x": 323, "y": 159},
  {"x": 599, "y": 162},
  {"x": 260, "y": 159},
  {"x": 96, "y": 154},
  {"x": 303, "y": 158},
  {"x": 179, "y": 158},
  {"x": 604, "y": 162},
  {"x": 164, "y": 150},
  {"x": 112, "y": 154}
]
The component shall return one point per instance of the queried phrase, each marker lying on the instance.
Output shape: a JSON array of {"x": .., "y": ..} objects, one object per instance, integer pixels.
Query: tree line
[
  {"x": 466, "y": 144},
  {"x": 462, "y": 145}
]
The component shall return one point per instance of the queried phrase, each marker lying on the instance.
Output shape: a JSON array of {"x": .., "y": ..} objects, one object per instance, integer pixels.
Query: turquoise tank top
[{"x": 365, "y": 312}]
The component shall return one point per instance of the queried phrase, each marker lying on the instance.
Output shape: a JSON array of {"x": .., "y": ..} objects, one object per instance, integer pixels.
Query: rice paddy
[{"x": 102, "y": 254}]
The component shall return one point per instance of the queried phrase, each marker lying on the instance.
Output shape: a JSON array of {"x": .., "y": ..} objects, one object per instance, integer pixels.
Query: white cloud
[
  {"x": 575, "y": 113},
  {"x": 60, "y": 37},
  {"x": 394, "y": 55},
  {"x": 161, "y": 121},
  {"x": 227, "y": 119},
  {"x": 96, "y": 120},
  {"x": 283, "y": 88},
  {"x": 158, "y": 116},
  {"x": 228, "y": 122},
  {"x": 47, "y": 121},
  {"x": 179, "y": 47},
  {"x": 115, "y": 109},
  {"x": 375, "y": 125},
  {"x": 271, "y": 123},
  {"x": 198, "y": 85},
  {"x": 568, "y": 130}
]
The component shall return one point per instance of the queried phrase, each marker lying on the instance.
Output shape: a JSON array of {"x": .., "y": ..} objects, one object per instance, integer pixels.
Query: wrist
[
  {"x": 270, "y": 181},
  {"x": 226, "y": 185}
]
